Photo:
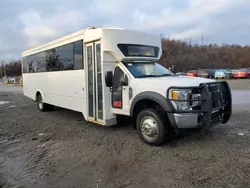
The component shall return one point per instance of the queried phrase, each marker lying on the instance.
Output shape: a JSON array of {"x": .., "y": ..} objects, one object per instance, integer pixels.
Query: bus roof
[{"x": 111, "y": 36}]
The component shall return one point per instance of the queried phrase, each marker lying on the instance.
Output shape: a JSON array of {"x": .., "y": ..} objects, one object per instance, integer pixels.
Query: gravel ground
[{"x": 59, "y": 149}]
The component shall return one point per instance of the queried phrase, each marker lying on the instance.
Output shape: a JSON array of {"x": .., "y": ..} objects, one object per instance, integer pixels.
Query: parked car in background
[
  {"x": 181, "y": 73},
  {"x": 220, "y": 73},
  {"x": 242, "y": 73},
  {"x": 206, "y": 73},
  {"x": 193, "y": 73},
  {"x": 232, "y": 72}
]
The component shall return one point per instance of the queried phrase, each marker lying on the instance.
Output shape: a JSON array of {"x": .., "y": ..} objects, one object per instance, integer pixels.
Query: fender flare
[
  {"x": 40, "y": 93},
  {"x": 151, "y": 95}
]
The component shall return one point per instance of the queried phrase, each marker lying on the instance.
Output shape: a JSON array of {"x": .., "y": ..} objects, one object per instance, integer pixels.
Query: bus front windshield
[{"x": 147, "y": 69}]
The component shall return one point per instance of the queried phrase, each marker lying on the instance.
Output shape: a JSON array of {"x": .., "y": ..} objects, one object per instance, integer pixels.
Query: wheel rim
[
  {"x": 149, "y": 128},
  {"x": 40, "y": 102}
]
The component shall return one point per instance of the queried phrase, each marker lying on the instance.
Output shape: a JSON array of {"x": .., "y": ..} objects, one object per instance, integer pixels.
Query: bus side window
[{"x": 78, "y": 55}]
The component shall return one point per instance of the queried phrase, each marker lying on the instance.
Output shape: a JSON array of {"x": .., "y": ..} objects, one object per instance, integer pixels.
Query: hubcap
[
  {"x": 149, "y": 128},
  {"x": 40, "y": 103}
]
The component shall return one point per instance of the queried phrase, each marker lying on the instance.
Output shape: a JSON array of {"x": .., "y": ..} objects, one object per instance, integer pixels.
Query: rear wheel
[
  {"x": 43, "y": 106},
  {"x": 151, "y": 127}
]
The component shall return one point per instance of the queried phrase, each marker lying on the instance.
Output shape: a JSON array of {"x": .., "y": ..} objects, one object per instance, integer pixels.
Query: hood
[{"x": 184, "y": 81}]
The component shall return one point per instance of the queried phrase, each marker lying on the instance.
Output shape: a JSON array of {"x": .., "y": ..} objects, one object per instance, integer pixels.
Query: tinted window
[
  {"x": 31, "y": 64},
  {"x": 90, "y": 81},
  {"x": 117, "y": 88},
  {"x": 138, "y": 50},
  {"x": 52, "y": 60},
  {"x": 25, "y": 65},
  {"x": 78, "y": 55},
  {"x": 99, "y": 81},
  {"x": 68, "y": 57},
  {"x": 41, "y": 62},
  {"x": 65, "y": 54}
]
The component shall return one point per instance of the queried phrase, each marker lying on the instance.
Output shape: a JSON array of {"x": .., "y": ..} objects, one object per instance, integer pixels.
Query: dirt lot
[{"x": 59, "y": 149}]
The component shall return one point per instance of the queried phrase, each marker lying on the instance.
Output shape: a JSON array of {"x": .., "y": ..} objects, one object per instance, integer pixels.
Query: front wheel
[
  {"x": 43, "y": 106},
  {"x": 150, "y": 127}
]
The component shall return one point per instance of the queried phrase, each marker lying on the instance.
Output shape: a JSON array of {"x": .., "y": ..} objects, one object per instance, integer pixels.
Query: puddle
[
  {"x": 3, "y": 103},
  {"x": 12, "y": 106}
]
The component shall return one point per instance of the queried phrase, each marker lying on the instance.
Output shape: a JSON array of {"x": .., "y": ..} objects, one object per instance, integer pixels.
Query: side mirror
[
  {"x": 109, "y": 78},
  {"x": 125, "y": 81}
]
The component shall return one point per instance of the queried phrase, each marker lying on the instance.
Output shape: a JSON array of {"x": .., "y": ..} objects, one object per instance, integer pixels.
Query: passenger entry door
[
  {"x": 120, "y": 92},
  {"x": 94, "y": 86}
]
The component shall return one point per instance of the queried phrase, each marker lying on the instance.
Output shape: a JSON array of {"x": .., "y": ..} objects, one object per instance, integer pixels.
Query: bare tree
[{"x": 186, "y": 55}]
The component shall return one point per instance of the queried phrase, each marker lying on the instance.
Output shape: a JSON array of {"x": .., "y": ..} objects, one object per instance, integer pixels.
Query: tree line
[
  {"x": 186, "y": 56},
  {"x": 11, "y": 68},
  {"x": 183, "y": 55}
]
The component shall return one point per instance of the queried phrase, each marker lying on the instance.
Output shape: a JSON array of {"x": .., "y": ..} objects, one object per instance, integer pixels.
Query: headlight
[{"x": 184, "y": 99}]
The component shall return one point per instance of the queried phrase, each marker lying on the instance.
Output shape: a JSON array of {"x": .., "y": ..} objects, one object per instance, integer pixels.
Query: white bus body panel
[
  {"x": 112, "y": 37},
  {"x": 69, "y": 89},
  {"x": 66, "y": 89}
]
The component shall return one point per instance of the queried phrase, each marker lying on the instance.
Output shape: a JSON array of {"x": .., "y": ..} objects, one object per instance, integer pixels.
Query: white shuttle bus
[{"x": 105, "y": 73}]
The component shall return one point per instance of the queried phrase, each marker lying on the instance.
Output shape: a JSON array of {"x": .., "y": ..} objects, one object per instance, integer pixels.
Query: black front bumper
[{"x": 216, "y": 103}]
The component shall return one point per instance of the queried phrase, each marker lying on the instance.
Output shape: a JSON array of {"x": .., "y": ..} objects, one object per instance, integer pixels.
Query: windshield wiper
[
  {"x": 146, "y": 76},
  {"x": 162, "y": 75}
]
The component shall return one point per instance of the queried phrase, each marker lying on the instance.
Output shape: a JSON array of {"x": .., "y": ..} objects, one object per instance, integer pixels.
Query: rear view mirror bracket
[{"x": 109, "y": 79}]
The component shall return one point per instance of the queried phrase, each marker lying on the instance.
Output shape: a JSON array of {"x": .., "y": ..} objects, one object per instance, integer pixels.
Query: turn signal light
[{"x": 175, "y": 95}]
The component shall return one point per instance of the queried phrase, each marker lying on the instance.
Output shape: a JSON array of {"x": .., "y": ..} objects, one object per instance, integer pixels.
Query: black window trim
[
  {"x": 45, "y": 51},
  {"x": 82, "y": 53},
  {"x": 156, "y": 48}
]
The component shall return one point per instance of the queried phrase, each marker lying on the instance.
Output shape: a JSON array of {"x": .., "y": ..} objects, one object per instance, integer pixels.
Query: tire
[
  {"x": 157, "y": 133},
  {"x": 43, "y": 106}
]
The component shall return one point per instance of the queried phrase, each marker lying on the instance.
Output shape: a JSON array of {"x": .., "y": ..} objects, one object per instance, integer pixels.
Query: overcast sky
[{"x": 27, "y": 23}]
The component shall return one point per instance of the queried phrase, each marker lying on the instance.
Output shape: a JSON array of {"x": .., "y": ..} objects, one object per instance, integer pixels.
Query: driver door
[{"x": 120, "y": 92}]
